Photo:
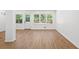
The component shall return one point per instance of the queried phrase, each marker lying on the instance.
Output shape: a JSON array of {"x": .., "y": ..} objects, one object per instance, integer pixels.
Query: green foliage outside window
[
  {"x": 18, "y": 18},
  {"x": 49, "y": 18},
  {"x": 43, "y": 18},
  {"x": 36, "y": 18}
]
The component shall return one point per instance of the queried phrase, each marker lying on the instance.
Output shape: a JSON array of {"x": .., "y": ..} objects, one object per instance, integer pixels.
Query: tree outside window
[
  {"x": 43, "y": 18},
  {"x": 49, "y": 18},
  {"x": 18, "y": 18},
  {"x": 36, "y": 18}
]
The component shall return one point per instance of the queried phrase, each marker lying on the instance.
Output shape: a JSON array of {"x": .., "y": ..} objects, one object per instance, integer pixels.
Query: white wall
[
  {"x": 10, "y": 27},
  {"x": 32, "y": 24},
  {"x": 68, "y": 25},
  {"x": 2, "y": 21}
]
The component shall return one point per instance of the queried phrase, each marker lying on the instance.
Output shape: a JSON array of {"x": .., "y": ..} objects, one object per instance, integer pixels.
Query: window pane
[
  {"x": 36, "y": 18},
  {"x": 49, "y": 18},
  {"x": 43, "y": 18},
  {"x": 27, "y": 18},
  {"x": 18, "y": 18}
]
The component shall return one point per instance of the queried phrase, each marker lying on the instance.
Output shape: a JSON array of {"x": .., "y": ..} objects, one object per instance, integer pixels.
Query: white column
[{"x": 10, "y": 30}]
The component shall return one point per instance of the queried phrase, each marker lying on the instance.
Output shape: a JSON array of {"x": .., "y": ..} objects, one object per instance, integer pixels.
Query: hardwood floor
[
  {"x": 37, "y": 39},
  {"x": 4, "y": 45}
]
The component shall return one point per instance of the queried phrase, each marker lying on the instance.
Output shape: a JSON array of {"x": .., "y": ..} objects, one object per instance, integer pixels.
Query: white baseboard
[
  {"x": 36, "y": 28},
  {"x": 67, "y": 38},
  {"x": 42, "y": 28},
  {"x": 20, "y": 28}
]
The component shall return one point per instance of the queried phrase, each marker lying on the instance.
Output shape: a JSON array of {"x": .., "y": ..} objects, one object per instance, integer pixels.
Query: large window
[
  {"x": 49, "y": 18},
  {"x": 36, "y": 18},
  {"x": 43, "y": 18},
  {"x": 18, "y": 18},
  {"x": 27, "y": 18}
]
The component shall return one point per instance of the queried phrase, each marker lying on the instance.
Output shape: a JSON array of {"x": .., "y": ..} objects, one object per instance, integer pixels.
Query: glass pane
[
  {"x": 49, "y": 18},
  {"x": 18, "y": 18},
  {"x": 27, "y": 18},
  {"x": 36, "y": 18},
  {"x": 43, "y": 18}
]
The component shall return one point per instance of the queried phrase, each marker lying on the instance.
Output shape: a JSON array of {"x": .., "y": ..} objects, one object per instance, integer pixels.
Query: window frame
[
  {"x": 38, "y": 18},
  {"x": 43, "y": 15},
  {"x": 51, "y": 18},
  {"x": 18, "y": 20},
  {"x": 27, "y": 18}
]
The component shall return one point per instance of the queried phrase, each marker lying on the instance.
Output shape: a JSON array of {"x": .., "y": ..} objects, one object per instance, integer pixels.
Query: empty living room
[{"x": 39, "y": 29}]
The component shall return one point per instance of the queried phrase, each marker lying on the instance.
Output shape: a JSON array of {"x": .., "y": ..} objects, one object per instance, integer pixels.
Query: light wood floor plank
[{"x": 37, "y": 39}]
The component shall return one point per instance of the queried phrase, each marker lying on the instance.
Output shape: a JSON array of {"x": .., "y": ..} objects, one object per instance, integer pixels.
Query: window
[
  {"x": 49, "y": 18},
  {"x": 36, "y": 18},
  {"x": 43, "y": 18},
  {"x": 18, "y": 18},
  {"x": 27, "y": 18}
]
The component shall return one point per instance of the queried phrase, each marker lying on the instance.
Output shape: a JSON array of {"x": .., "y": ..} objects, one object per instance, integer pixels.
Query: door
[{"x": 27, "y": 22}]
